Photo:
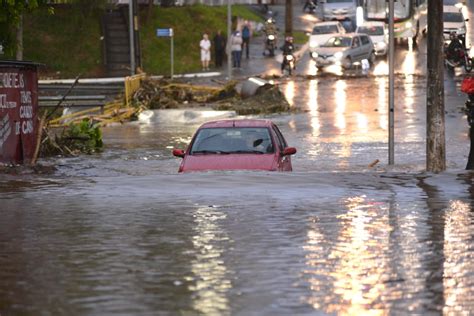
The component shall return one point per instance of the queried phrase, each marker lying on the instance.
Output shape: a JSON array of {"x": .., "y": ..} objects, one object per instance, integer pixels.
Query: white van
[{"x": 339, "y": 10}]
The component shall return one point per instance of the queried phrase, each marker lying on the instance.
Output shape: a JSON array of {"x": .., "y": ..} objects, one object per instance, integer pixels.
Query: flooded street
[{"x": 121, "y": 233}]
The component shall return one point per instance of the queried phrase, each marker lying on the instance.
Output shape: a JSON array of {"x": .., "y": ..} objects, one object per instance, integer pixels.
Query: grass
[{"x": 69, "y": 42}]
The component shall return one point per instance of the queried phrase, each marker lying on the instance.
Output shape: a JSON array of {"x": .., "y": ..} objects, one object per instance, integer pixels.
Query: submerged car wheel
[
  {"x": 347, "y": 64},
  {"x": 372, "y": 58}
]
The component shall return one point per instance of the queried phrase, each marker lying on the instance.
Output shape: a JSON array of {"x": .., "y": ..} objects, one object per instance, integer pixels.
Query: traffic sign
[{"x": 164, "y": 32}]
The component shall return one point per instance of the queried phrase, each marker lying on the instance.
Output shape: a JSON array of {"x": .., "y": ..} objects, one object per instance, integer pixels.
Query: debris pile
[{"x": 165, "y": 94}]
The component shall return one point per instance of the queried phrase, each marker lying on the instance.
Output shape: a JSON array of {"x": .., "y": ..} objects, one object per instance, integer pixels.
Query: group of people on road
[
  {"x": 240, "y": 45},
  {"x": 239, "y": 42}
]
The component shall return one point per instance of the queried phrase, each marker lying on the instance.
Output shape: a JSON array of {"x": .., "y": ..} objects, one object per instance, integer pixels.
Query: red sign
[{"x": 18, "y": 111}]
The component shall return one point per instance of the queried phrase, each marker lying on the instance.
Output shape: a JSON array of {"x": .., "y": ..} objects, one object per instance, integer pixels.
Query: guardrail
[{"x": 95, "y": 107}]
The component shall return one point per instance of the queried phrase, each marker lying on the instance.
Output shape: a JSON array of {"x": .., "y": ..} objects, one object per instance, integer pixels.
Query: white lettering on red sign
[
  {"x": 5, "y": 104},
  {"x": 26, "y": 111},
  {"x": 11, "y": 80},
  {"x": 25, "y": 97}
]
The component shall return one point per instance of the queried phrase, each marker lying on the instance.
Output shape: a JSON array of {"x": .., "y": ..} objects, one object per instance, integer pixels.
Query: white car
[
  {"x": 322, "y": 32},
  {"x": 378, "y": 34},
  {"x": 344, "y": 50},
  {"x": 453, "y": 21}
]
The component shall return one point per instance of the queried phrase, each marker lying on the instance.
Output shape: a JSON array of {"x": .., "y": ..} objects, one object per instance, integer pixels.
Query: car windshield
[
  {"x": 371, "y": 30},
  {"x": 453, "y": 17},
  {"x": 377, "y": 9},
  {"x": 325, "y": 29},
  {"x": 450, "y": 2},
  {"x": 338, "y": 41},
  {"x": 339, "y": 1},
  {"x": 231, "y": 140}
]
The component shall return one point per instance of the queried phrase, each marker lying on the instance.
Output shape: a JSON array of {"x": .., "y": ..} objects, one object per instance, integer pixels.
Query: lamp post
[
  {"x": 131, "y": 31},
  {"x": 391, "y": 80},
  {"x": 229, "y": 32}
]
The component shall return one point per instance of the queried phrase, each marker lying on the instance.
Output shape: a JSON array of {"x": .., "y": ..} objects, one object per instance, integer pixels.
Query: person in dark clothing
[
  {"x": 246, "y": 38},
  {"x": 219, "y": 47},
  {"x": 454, "y": 48},
  {"x": 287, "y": 49}
]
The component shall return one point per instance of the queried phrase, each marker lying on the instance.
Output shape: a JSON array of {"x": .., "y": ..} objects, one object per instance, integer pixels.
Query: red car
[{"x": 237, "y": 145}]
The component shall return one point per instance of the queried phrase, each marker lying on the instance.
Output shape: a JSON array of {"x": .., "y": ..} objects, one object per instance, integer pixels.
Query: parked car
[
  {"x": 453, "y": 21},
  {"x": 344, "y": 50},
  {"x": 377, "y": 32},
  {"x": 323, "y": 31},
  {"x": 247, "y": 144}
]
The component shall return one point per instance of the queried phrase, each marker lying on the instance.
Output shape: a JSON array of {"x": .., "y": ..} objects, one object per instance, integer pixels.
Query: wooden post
[
  {"x": 288, "y": 17},
  {"x": 435, "y": 131}
]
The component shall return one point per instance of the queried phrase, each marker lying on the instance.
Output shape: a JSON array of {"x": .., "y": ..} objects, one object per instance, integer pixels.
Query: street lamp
[{"x": 229, "y": 30}]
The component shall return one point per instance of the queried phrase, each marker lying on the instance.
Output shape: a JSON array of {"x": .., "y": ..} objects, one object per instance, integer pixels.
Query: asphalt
[{"x": 259, "y": 65}]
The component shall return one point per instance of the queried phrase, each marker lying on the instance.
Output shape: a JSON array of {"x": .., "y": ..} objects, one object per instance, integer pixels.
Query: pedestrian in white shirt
[{"x": 205, "y": 45}]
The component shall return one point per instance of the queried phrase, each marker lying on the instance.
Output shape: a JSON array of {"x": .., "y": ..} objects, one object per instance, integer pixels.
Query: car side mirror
[
  {"x": 178, "y": 153},
  {"x": 289, "y": 151},
  {"x": 466, "y": 20}
]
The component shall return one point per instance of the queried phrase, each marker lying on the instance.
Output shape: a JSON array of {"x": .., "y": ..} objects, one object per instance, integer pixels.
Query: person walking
[
  {"x": 246, "y": 38},
  {"x": 205, "y": 45},
  {"x": 236, "y": 48},
  {"x": 219, "y": 48}
]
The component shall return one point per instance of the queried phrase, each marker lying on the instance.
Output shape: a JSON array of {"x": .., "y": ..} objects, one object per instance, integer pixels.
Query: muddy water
[{"x": 120, "y": 233}]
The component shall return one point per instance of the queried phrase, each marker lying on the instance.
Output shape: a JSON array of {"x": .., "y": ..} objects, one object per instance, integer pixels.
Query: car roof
[
  {"x": 451, "y": 9},
  {"x": 237, "y": 123},
  {"x": 327, "y": 23}
]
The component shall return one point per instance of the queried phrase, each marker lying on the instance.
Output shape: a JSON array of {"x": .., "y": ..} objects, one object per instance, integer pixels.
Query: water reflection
[
  {"x": 210, "y": 272},
  {"x": 357, "y": 262},
  {"x": 458, "y": 266}
]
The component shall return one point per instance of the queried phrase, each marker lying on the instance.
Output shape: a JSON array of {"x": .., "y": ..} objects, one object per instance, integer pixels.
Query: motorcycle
[
  {"x": 310, "y": 5},
  {"x": 458, "y": 57},
  {"x": 270, "y": 44},
  {"x": 288, "y": 63}
]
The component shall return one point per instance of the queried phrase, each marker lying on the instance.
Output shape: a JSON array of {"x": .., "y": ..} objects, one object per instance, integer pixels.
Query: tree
[{"x": 10, "y": 23}]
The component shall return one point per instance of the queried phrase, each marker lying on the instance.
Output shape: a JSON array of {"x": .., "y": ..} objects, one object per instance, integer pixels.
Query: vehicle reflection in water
[
  {"x": 458, "y": 265},
  {"x": 290, "y": 92},
  {"x": 358, "y": 262},
  {"x": 382, "y": 104},
  {"x": 208, "y": 268}
]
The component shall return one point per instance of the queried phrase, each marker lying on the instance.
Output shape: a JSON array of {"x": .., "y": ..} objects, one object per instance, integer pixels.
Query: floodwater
[{"x": 121, "y": 233}]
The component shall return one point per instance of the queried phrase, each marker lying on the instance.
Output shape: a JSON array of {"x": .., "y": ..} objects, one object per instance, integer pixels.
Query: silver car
[{"x": 344, "y": 50}]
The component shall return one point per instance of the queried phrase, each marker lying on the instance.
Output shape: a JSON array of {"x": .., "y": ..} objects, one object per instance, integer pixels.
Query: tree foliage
[{"x": 9, "y": 18}]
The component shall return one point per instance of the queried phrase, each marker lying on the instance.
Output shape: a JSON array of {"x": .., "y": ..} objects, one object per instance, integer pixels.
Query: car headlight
[
  {"x": 314, "y": 55},
  {"x": 271, "y": 37},
  {"x": 289, "y": 57},
  {"x": 313, "y": 44},
  {"x": 338, "y": 55},
  {"x": 461, "y": 31},
  {"x": 408, "y": 25}
]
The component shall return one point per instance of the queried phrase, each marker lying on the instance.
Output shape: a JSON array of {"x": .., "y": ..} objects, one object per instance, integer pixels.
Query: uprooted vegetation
[
  {"x": 164, "y": 94},
  {"x": 77, "y": 138}
]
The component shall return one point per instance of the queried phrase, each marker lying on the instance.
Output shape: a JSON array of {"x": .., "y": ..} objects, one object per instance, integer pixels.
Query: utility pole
[
  {"x": 391, "y": 80},
  {"x": 131, "y": 31},
  {"x": 435, "y": 127},
  {"x": 229, "y": 34},
  {"x": 288, "y": 17}
]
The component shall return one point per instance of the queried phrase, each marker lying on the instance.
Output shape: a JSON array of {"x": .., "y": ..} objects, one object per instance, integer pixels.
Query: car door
[
  {"x": 284, "y": 162},
  {"x": 367, "y": 47},
  {"x": 356, "y": 49}
]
